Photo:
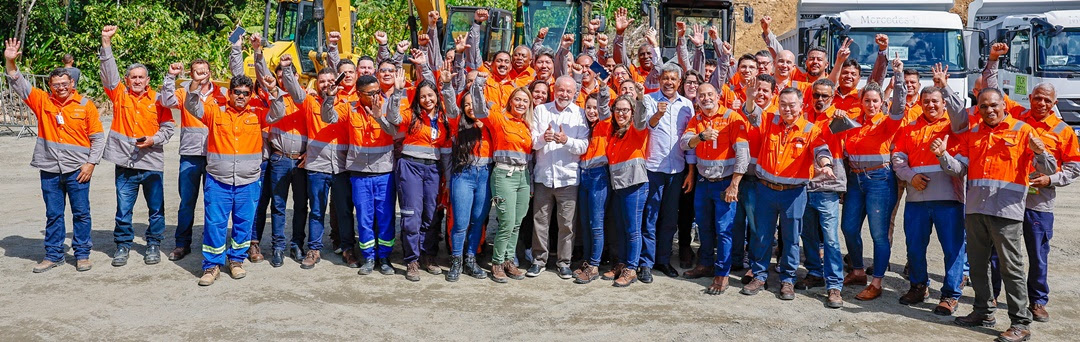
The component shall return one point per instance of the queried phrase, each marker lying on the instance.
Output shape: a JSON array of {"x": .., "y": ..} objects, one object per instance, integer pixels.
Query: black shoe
[
  {"x": 667, "y": 270},
  {"x": 367, "y": 267},
  {"x": 644, "y": 274},
  {"x": 565, "y": 272},
  {"x": 384, "y": 266},
  {"x": 153, "y": 255},
  {"x": 455, "y": 269},
  {"x": 277, "y": 258},
  {"x": 471, "y": 268},
  {"x": 809, "y": 282},
  {"x": 973, "y": 320},
  {"x": 534, "y": 271},
  {"x": 120, "y": 257},
  {"x": 296, "y": 253}
]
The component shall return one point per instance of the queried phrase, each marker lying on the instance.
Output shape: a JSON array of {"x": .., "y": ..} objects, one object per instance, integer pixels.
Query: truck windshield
[
  {"x": 918, "y": 48},
  {"x": 558, "y": 16},
  {"x": 1060, "y": 52}
]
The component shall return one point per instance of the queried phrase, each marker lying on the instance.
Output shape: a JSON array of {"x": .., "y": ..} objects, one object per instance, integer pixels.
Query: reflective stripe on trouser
[
  {"x": 821, "y": 226},
  {"x": 470, "y": 199},
  {"x": 222, "y": 202},
  {"x": 947, "y": 217},
  {"x": 789, "y": 206},
  {"x": 374, "y": 195},
  {"x": 418, "y": 186},
  {"x": 714, "y": 218},
  {"x": 189, "y": 184},
  {"x": 510, "y": 194},
  {"x": 57, "y": 189},
  {"x": 661, "y": 217}
]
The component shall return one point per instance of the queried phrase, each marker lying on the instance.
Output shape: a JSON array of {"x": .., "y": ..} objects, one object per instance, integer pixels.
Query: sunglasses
[
  {"x": 370, "y": 93},
  {"x": 241, "y": 92},
  {"x": 387, "y": 69},
  {"x": 822, "y": 96}
]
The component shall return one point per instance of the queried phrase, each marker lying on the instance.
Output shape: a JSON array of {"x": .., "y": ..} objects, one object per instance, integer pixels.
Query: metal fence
[{"x": 15, "y": 117}]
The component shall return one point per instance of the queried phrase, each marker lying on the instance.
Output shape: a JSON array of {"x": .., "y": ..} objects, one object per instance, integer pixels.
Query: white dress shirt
[{"x": 557, "y": 164}]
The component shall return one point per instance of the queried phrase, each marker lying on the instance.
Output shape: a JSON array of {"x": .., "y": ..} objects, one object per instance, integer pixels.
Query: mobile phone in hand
[
  {"x": 340, "y": 78},
  {"x": 599, "y": 70},
  {"x": 236, "y": 34},
  {"x": 139, "y": 140}
]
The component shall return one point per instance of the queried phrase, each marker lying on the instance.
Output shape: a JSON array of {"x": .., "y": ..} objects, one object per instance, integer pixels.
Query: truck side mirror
[{"x": 748, "y": 14}]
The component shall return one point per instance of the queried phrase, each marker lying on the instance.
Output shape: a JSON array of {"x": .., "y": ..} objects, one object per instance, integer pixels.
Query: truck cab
[
  {"x": 717, "y": 13},
  {"x": 1044, "y": 47},
  {"x": 921, "y": 34}
]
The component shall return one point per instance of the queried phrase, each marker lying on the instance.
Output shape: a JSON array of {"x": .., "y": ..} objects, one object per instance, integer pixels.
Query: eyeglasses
[
  {"x": 387, "y": 69},
  {"x": 623, "y": 110},
  {"x": 241, "y": 92},
  {"x": 691, "y": 83},
  {"x": 370, "y": 93}
]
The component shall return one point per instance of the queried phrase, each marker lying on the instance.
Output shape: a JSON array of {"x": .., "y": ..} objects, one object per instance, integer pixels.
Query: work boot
[
  {"x": 698, "y": 271},
  {"x": 946, "y": 306},
  {"x": 455, "y": 269},
  {"x": 427, "y": 263},
  {"x": 586, "y": 274},
  {"x": 626, "y": 277},
  {"x": 753, "y": 287},
  {"x": 974, "y": 320},
  {"x": 1038, "y": 311},
  {"x": 472, "y": 269},
  {"x": 412, "y": 271},
  {"x": 385, "y": 267},
  {"x": 236, "y": 269},
  {"x": 644, "y": 274},
  {"x": 83, "y": 265},
  {"x": 153, "y": 255},
  {"x": 120, "y": 257},
  {"x": 179, "y": 253},
  {"x": 809, "y": 282},
  {"x": 497, "y": 274},
  {"x": 349, "y": 257},
  {"x": 277, "y": 258},
  {"x": 310, "y": 260},
  {"x": 614, "y": 272},
  {"x": 296, "y": 253},
  {"x": 787, "y": 291},
  {"x": 367, "y": 267},
  {"x": 835, "y": 301},
  {"x": 718, "y": 286},
  {"x": 255, "y": 253},
  {"x": 46, "y": 265},
  {"x": 209, "y": 276},
  {"x": 1014, "y": 334},
  {"x": 512, "y": 271},
  {"x": 915, "y": 295}
]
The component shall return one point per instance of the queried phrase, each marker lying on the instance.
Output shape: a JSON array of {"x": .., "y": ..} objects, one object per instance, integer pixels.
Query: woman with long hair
[
  {"x": 626, "y": 155},
  {"x": 470, "y": 194},
  {"x": 510, "y": 180},
  {"x": 540, "y": 91},
  {"x": 425, "y": 128},
  {"x": 593, "y": 190}
]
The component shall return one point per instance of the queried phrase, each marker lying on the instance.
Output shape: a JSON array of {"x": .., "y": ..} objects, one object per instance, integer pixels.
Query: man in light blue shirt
[{"x": 667, "y": 171}]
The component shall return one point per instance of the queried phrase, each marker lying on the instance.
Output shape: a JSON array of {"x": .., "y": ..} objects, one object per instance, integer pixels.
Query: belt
[
  {"x": 293, "y": 156},
  {"x": 778, "y": 186},
  {"x": 868, "y": 169},
  {"x": 420, "y": 160},
  {"x": 721, "y": 179}
]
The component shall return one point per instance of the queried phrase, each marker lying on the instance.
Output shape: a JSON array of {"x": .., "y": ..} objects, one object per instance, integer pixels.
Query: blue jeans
[
  {"x": 592, "y": 202},
  {"x": 790, "y": 207},
  {"x": 222, "y": 202},
  {"x": 128, "y": 182},
  {"x": 264, "y": 201},
  {"x": 744, "y": 219},
  {"x": 821, "y": 221},
  {"x": 871, "y": 196},
  {"x": 470, "y": 200},
  {"x": 192, "y": 173},
  {"x": 948, "y": 217},
  {"x": 630, "y": 205},
  {"x": 55, "y": 189},
  {"x": 714, "y": 218},
  {"x": 321, "y": 186},
  {"x": 283, "y": 175},
  {"x": 374, "y": 197},
  {"x": 661, "y": 217}
]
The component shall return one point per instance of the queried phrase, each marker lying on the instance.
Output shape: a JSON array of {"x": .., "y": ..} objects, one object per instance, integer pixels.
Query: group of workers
[{"x": 755, "y": 150}]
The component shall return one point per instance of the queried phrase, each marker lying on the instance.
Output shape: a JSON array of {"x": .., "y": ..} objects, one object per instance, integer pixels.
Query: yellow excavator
[{"x": 300, "y": 28}]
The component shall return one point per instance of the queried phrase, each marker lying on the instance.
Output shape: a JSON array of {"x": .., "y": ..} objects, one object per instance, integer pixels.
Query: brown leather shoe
[
  {"x": 614, "y": 272},
  {"x": 412, "y": 271},
  {"x": 915, "y": 295},
  {"x": 719, "y": 285},
  {"x": 46, "y": 265},
  {"x": 753, "y": 287},
  {"x": 698, "y": 271},
  {"x": 1014, "y": 334},
  {"x": 497, "y": 274},
  {"x": 626, "y": 277},
  {"x": 835, "y": 300},
  {"x": 512, "y": 271},
  {"x": 427, "y": 263},
  {"x": 179, "y": 253},
  {"x": 255, "y": 253},
  {"x": 83, "y": 265},
  {"x": 975, "y": 320},
  {"x": 870, "y": 292},
  {"x": 310, "y": 259},
  {"x": 236, "y": 269},
  {"x": 946, "y": 307},
  {"x": 349, "y": 256},
  {"x": 209, "y": 276},
  {"x": 586, "y": 274},
  {"x": 787, "y": 291},
  {"x": 852, "y": 279},
  {"x": 1038, "y": 311}
]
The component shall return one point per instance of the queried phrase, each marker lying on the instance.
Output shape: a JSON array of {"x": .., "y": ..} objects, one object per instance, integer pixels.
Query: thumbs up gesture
[
  {"x": 1036, "y": 144},
  {"x": 549, "y": 134},
  {"x": 939, "y": 145},
  {"x": 560, "y": 136}
]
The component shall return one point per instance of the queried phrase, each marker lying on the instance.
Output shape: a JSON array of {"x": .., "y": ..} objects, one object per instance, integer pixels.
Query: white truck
[
  {"x": 1044, "y": 46},
  {"x": 921, "y": 33}
]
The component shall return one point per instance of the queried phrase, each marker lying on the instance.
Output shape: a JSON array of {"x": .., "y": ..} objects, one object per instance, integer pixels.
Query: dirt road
[{"x": 331, "y": 302}]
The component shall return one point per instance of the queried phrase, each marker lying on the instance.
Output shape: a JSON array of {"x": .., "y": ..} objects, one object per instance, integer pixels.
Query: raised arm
[
  {"x": 899, "y": 94},
  {"x": 333, "y": 57},
  {"x": 474, "y": 57},
  {"x": 168, "y": 87},
  {"x": 194, "y": 101},
  {"x": 449, "y": 93},
  {"x": 770, "y": 39},
  {"x": 538, "y": 42},
  {"x": 622, "y": 21},
  {"x": 18, "y": 83},
  {"x": 603, "y": 101},
  {"x": 290, "y": 81},
  {"x": 236, "y": 58},
  {"x": 481, "y": 108},
  {"x": 841, "y": 56},
  {"x": 877, "y": 74},
  {"x": 723, "y": 64},
  {"x": 434, "y": 47},
  {"x": 110, "y": 76}
]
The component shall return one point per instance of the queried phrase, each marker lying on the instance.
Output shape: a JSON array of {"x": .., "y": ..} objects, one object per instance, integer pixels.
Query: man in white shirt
[{"x": 560, "y": 136}]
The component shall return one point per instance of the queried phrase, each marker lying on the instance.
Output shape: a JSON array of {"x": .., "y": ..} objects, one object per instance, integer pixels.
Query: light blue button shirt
[{"x": 664, "y": 154}]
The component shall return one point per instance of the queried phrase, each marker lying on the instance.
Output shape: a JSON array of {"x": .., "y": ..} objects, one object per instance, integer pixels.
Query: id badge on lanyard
[
  {"x": 60, "y": 119},
  {"x": 434, "y": 129}
]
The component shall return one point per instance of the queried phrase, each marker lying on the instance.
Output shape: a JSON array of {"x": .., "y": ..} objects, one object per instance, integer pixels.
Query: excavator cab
[
  {"x": 296, "y": 24},
  {"x": 559, "y": 16},
  {"x": 300, "y": 28},
  {"x": 496, "y": 34},
  {"x": 718, "y": 13}
]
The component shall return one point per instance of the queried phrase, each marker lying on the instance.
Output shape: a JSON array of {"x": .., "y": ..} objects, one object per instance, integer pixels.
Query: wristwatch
[{"x": 701, "y": 136}]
